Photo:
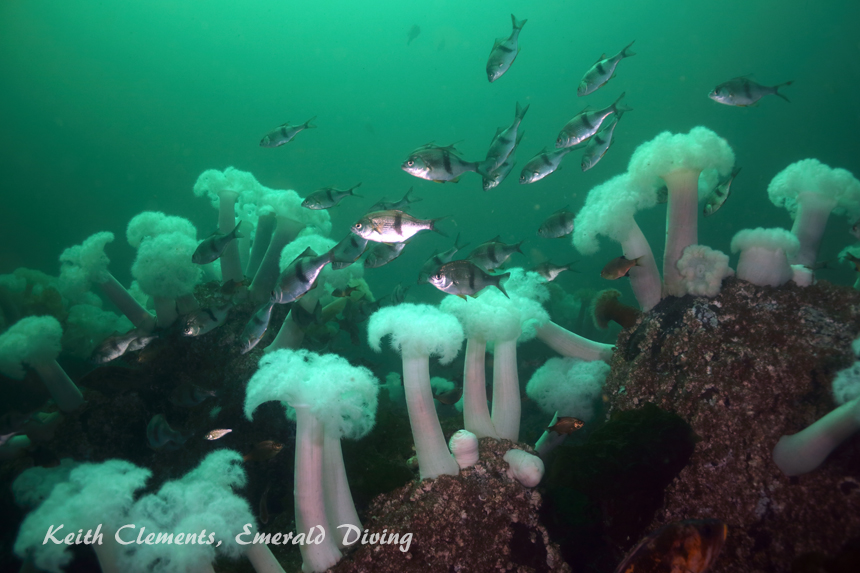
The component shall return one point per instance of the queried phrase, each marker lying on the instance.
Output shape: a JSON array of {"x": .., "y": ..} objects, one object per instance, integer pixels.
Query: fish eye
[
  {"x": 357, "y": 226},
  {"x": 410, "y": 163}
]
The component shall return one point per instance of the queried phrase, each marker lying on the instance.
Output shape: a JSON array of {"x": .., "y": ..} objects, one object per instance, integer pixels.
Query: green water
[{"x": 112, "y": 108}]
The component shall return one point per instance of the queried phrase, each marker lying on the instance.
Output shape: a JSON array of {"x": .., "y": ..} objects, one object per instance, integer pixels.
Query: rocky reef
[
  {"x": 744, "y": 368},
  {"x": 479, "y": 520}
]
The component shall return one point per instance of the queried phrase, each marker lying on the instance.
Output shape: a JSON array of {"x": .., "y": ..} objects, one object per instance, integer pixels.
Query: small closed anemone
[
  {"x": 609, "y": 210},
  {"x": 804, "y": 451},
  {"x": 164, "y": 270},
  {"x": 765, "y": 255},
  {"x": 565, "y": 387},
  {"x": 330, "y": 399},
  {"x": 811, "y": 191},
  {"x": 606, "y": 308},
  {"x": 91, "y": 495},
  {"x": 702, "y": 270},
  {"x": 85, "y": 264},
  {"x": 35, "y": 341},
  {"x": 418, "y": 331},
  {"x": 504, "y": 321},
  {"x": 679, "y": 160}
]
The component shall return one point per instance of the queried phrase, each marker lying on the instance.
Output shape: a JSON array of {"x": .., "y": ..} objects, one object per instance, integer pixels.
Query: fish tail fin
[
  {"x": 518, "y": 25},
  {"x": 518, "y": 245},
  {"x": 499, "y": 285},
  {"x": 776, "y": 90},
  {"x": 353, "y": 188},
  {"x": 627, "y": 52},
  {"x": 308, "y": 125},
  {"x": 433, "y": 225},
  {"x": 521, "y": 111},
  {"x": 480, "y": 167},
  {"x": 409, "y": 198},
  {"x": 619, "y": 107}
]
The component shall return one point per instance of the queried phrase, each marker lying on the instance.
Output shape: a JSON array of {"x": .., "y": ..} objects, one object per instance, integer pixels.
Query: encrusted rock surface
[
  {"x": 478, "y": 521},
  {"x": 743, "y": 369}
]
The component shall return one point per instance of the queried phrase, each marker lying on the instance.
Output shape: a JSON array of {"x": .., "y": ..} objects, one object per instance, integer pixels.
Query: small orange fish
[
  {"x": 691, "y": 546},
  {"x": 566, "y": 425},
  {"x": 619, "y": 267},
  {"x": 263, "y": 451}
]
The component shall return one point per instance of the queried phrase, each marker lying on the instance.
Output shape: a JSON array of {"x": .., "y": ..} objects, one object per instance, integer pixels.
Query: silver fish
[
  {"x": 159, "y": 434},
  {"x": 598, "y": 145},
  {"x": 112, "y": 347},
  {"x": 465, "y": 278},
  {"x": 559, "y": 224},
  {"x": 504, "y": 141},
  {"x": 493, "y": 253},
  {"x": 117, "y": 345},
  {"x": 439, "y": 164},
  {"x": 586, "y": 123},
  {"x": 256, "y": 328},
  {"x": 504, "y": 52},
  {"x": 300, "y": 276},
  {"x": 284, "y": 133},
  {"x": 140, "y": 342},
  {"x": 188, "y": 395},
  {"x": 543, "y": 164},
  {"x": 550, "y": 271},
  {"x": 391, "y": 226},
  {"x": 383, "y": 205},
  {"x": 383, "y": 253},
  {"x": 743, "y": 92},
  {"x": 718, "y": 196},
  {"x": 347, "y": 251},
  {"x": 205, "y": 320},
  {"x": 212, "y": 247},
  {"x": 437, "y": 260},
  {"x": 215, "y": 434},
  {"x": 499, "y": 174},
  {"x": 602, "y": 71},
  {"x": 328, "y": 197}
]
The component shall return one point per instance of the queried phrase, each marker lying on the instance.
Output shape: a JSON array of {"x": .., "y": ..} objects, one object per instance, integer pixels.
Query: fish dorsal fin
[
  {"x": 496, "y": 239},
  {"x": 309, "y": 252},
  {"x": 601, "y": 58},
  {"x": 498, "y": 131}
]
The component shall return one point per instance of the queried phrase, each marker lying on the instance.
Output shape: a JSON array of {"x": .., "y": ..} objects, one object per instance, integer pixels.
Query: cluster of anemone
[
  {"x": 330, "y": 399},
  {"x": 689, "y": 166}
]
